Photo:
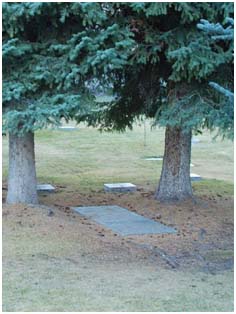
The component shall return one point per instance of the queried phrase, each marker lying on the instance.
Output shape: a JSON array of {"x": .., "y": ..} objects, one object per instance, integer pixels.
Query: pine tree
[
  {"x": 41, "y": 84},
  {"x": 164, "y": 76},
  {"x": 222, "y": 116},
  {"x": 151, "y": 53}
]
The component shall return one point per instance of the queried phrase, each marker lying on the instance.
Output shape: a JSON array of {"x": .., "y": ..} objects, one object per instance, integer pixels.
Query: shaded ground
[
  {"x": 204, "y": 228},
  {"x": 56, "y": 260}
]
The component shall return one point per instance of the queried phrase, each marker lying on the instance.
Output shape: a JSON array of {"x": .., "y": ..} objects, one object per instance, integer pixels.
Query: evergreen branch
[
  {"x": 222, "y": 90},
  {"x": 217, "y": 31}
]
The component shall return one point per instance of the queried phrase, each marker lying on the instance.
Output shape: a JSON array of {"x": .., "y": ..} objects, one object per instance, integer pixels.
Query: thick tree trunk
[
  {"x": 175, "y": 182},
  {"x": 22, "y": 182}
]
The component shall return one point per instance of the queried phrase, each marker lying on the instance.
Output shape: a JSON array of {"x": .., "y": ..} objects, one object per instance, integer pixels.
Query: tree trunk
[
  {"x": 22, "y": 182},
  {"x": 175, "y": 182}
]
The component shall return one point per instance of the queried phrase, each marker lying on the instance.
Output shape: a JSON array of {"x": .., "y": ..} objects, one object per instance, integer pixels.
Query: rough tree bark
[
  {"x": 175, "y": 182},
  {"x": 22, "y": 182}
]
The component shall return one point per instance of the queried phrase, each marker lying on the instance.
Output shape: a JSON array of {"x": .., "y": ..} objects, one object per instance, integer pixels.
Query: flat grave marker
[
  {"x": 67, "y": 128},
  {"x": 119, "y": 187},
  {"x": 195, "y": 177},
  {"x": 195, "y": 140},
  {"x": 123, "y": 221},
  {"x": 154, "y": 158},
  {"x": 45, "y": 188}
]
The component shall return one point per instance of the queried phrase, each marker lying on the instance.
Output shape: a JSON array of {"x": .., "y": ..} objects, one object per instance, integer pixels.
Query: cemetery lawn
[{"x": 64, "y": 262}]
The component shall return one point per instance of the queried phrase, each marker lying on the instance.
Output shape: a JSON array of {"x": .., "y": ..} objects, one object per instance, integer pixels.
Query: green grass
[
  {"x": 85, "y": 159},
  {"x": 132, "y": 291}
]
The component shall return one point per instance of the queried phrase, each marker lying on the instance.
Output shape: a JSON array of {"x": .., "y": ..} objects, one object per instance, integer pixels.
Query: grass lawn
[
  {"x": 65, "y": 262},
  {"x": 86, "y": 158}
]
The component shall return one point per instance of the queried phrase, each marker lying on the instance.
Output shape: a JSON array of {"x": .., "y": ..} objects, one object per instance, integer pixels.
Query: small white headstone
[
  {"x": 195, "y": 140},
  {"x": 154, "y": 158},
  {"x": 191, "y": 165},
  {"x": 119, "y": 187},
  {"x": 67, "y": 128},
  {"x": 195, "y": 177},
  {"x": 45, "y": 188}
]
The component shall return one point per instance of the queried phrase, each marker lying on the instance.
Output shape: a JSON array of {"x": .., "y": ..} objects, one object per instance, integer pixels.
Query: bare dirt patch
[
  {"x": 204, "y": 237},
  {"x": 56, "y": 260}
]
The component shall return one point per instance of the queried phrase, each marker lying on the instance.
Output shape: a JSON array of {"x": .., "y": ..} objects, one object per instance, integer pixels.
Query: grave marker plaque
[
  {"x": 123, "y": 221},
  {"x": 195, "y": 177},
  {"x": 119, "y": 187},
  {"x": 45, "y": 188}
]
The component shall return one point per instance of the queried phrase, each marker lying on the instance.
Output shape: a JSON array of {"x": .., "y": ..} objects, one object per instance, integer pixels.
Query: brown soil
[{"x": 204, "y": 238}]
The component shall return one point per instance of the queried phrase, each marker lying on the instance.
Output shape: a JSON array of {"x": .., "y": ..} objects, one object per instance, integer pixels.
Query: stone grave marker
[
  {"x": 67, "y": 128},
  {"x": 123, "y": 221},
  {"x": 195, "y": 177},
  {"x": 45, "y": 188},
  {"x": 159, "y": 158},
  {"x": 119, "y": 187},
  {"x": 195, "y": 140}
]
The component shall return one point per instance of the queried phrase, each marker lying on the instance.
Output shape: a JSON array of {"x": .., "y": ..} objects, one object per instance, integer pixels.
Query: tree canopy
[
  {"x": 41, "y": 84},
  {"x": 223, "y": 114},
  {"x": 167, "y": 68},
  {"x": 152, "y": 54}
]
